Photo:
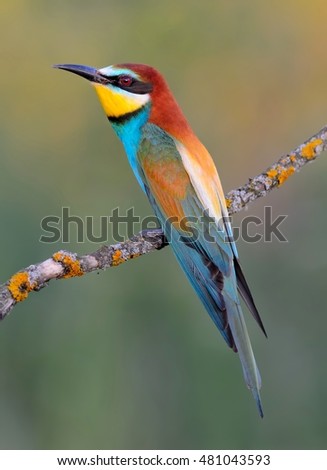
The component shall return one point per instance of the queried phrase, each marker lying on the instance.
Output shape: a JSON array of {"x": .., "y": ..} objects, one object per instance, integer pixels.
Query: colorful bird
[{"x": 181, "y": 181}]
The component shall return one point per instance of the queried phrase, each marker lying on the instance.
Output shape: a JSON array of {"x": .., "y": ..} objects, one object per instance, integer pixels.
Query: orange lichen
[
  {"x": 20, "y": 286},
  {"x": 117, "y": 258},
  {"x": 228, "y": 202},
  {"x": 272, "y": 173},
  {"x": 72, "y": 267},
  {"x": 292, "y": 158},
  {"x": 284, "y": 174},
  {"x": 134, "y": 255},
  {"x": 309, "y": 150}
]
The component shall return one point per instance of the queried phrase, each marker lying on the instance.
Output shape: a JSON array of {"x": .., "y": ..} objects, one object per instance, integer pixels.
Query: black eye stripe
[{"x": 137, "y": 87}]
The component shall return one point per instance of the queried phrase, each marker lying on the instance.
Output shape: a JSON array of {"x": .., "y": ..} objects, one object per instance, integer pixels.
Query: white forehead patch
[{"x": 112, "y": 71}]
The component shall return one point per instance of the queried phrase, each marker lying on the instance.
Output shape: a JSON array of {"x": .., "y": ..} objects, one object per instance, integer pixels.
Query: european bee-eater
[{"x": 181, "y": 181}]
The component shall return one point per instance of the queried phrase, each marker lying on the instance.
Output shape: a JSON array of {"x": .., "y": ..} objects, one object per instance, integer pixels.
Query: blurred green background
[{"x": 129, "y": 358}]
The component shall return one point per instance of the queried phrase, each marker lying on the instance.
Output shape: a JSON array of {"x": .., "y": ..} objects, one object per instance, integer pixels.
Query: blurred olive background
[{"x": 128, "y": 359}]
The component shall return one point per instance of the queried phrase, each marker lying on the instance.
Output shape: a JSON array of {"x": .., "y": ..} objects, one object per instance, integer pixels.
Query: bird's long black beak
[{"x": 90, "y": 73}]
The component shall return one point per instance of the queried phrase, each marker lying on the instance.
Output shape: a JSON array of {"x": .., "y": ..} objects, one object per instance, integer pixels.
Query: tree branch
[
  {"x": 278, "y": 173},
  {"x": 64, "y": 265}
]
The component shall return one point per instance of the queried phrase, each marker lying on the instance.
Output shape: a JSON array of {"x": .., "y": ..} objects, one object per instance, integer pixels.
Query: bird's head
[
  {"x": 125, "y": 89},
  {"x": 122, "y": 89}
]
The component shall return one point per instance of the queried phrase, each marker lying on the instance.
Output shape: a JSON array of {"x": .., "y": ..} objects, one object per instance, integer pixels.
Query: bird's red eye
[{"x": 125, "y": 80}]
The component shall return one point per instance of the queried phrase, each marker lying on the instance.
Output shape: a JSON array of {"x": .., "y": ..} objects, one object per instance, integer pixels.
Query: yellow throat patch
[{"x": 116, "y": 103}]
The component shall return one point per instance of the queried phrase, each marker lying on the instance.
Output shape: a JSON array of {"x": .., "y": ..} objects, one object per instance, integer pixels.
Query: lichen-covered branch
[
  {"x": 63, "y": 264},
  {"x": 278, "y": 173}
]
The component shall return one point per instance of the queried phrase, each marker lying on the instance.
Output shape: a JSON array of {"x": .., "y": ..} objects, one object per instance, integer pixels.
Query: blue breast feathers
[{"x": 129, "y": 131}]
